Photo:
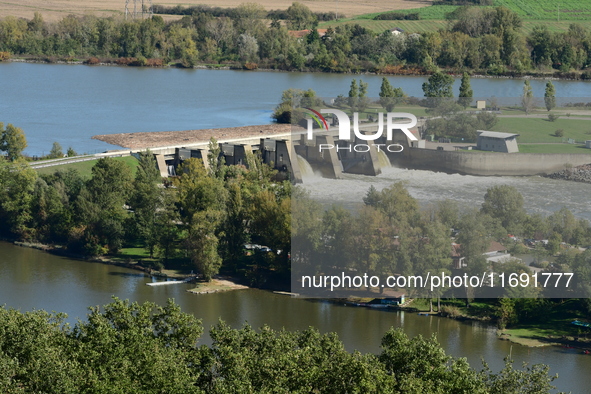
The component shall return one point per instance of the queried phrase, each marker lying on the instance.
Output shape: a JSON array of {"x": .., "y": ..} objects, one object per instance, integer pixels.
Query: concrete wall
[{"x": 484, "y": 163}]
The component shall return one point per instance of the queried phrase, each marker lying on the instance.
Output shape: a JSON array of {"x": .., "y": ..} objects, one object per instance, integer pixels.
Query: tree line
[
  {"x": 145, "y": 348},
  {"x": 391, "y": 235},
  {"x": 202, "y": 217},
  {"x": 488, "y": 40}
]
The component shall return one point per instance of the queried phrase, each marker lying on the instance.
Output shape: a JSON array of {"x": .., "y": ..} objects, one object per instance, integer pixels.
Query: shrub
[
  {"x": 250, "y": 66},
  {"x": 92, "y": 60},
  {"x": 451, "y": 311},
  {"x": 559, "y": 133},
  {"x": 553, "y": 117},
  {"x": 4, "y": 56},
  {"x": 154, "y": 63}
]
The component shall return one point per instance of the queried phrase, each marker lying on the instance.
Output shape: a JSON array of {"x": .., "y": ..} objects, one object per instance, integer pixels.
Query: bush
[
  {"x": 397, "y": 16},
  {"x": 450, "y": 311},
  {"x": 553, "y": 117},
  {"x": 559, "y": 133},
  {"x": 4, "y": 56},
  {"x": 92, "y": 60},
  {"x": 250, "y": 66}
]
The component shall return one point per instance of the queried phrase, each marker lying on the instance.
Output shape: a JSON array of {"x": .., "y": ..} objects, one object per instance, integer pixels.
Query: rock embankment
[{"x": 577, "y": 174}]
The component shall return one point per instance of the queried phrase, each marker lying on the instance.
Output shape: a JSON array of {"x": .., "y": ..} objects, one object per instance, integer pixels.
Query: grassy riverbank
[
  {"x": 554, "y": 328},
  {"x": 84, "y": 168}
]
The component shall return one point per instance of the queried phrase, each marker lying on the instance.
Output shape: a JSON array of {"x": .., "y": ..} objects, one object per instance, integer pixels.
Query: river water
[
  {"x": 31, "y": 279},
  {"x": 71, "y": 103}
]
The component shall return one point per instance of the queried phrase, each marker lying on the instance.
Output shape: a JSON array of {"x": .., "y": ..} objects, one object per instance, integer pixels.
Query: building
[
  {"x": 396, "y": 31},
  {"x": 495, "y": 253},
  {"x": 481, "y": 104},
  {"x": 496, "y": 141},
  {"x": 588, "y": 144}
]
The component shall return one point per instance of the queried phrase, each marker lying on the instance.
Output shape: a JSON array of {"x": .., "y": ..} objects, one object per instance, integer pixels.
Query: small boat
[{"x": 171, "y": 282}]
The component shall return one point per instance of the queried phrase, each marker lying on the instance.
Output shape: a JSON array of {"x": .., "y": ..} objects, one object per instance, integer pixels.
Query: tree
[
  {"x": 438, "y": 85},
  {"x": 100, "y": 206},
  {"x": 353, "y": 95},
  {"x": 71, "y": 152},
  {"x": 146, "y": 200},
  {"x": 389, "y": 96},
  {"x": 12, "y": 141},
  {"x": 466, "y": 93},
  {"x": 300, "y": 17},
  {"x": 248, "y": 48},
  {"x": 56, "y": 151},
  {"x": 363, "y": 101},
  {"x": 527, "y": 99},
  {"x": 505, "y": 203},
  {"x": 550, "y": 96}
]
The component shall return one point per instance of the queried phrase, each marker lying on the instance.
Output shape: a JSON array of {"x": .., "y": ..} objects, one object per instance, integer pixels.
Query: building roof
[
  {"x": 494, "y": 246},
  {"x": 496, "y": 134},
  {"x": 303, "y": 33}
]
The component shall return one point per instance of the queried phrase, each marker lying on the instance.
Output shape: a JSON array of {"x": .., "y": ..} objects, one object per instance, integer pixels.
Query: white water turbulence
[
  {"x": 541, "y": 195},
  {"x": 383, "y": 159},
  {"x": 305, "y": 168}
]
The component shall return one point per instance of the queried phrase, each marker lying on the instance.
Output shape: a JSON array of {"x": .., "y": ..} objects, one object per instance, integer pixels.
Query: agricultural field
[
  {"x": 423, "y": 26},
  {"x": 56, "y": 9},
  {"x": 546, "y": 12},
  {"x": 571, "y": 10}
]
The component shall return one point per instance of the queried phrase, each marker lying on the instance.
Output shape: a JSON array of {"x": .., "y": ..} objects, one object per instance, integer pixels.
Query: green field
[
  {"x": 85, "y": 167},
  {"x": 553, "y": 148},
  {"x": 532, "y": 12},
  {"x": 532, "y": 130}
]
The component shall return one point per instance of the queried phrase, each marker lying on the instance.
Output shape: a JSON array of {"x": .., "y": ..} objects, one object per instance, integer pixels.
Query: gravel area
[{"x": 168, "y": 138}]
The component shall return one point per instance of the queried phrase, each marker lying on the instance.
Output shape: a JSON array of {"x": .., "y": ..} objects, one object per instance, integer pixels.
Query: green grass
[
  {"x": 550, "y": 329},
  {"x": 549, "y": 9},
  {"x": 536, "y": 130},
  {"x": 558, "y": 148},
  {"x": 85, "y": 167}
]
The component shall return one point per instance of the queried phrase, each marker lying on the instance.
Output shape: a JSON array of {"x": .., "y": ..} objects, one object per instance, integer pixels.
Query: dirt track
[
  {"x": 169, "y": 138},
  {"x": 56, "y": 9}
]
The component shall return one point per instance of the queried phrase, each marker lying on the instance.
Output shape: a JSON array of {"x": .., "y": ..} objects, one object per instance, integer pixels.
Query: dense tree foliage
[
  {"x": 488, "y": 40},
  {"x": 12, "y": 141},
  {"x": 144, "y": 348},
  {"x": 202, "y": 220}
]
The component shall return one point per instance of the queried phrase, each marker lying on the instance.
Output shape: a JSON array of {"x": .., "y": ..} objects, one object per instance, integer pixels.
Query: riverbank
[
  {"x": 554, "y": 75},
  {"x": 219, "y": 283},
  {"x": 576, "y": 174}
]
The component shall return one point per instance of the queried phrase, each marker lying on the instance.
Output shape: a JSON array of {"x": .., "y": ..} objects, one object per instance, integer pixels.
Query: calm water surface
[
  {"x": 71, "y": 103},
  {"x": 31, "y": 279}
]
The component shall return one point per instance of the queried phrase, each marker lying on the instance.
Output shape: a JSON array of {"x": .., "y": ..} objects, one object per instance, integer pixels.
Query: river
[
  {"x": 32, "y": 279},
  {"x": 71, "y": 103}
]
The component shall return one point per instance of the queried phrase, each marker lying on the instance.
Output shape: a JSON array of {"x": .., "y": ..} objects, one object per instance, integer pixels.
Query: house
[
  {"x": 480, "y": 104},
  {"x": 396, "y": 31},
  {"x": 495, "y": 253},
  {"x": 495, "y": 141}
]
